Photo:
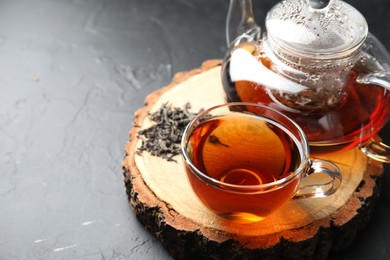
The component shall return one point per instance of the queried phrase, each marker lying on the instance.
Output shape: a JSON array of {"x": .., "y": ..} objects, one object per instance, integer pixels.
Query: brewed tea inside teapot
[{"x": 317, "y": 63}]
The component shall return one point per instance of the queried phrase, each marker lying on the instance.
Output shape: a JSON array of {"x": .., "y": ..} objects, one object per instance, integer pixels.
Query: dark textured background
[{"x": 72, "y": 73}]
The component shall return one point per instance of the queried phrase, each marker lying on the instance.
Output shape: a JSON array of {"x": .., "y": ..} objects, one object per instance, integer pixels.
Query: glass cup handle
[
  {"x": 326, "y": 179},
  {"x": 377, "y": 150}
]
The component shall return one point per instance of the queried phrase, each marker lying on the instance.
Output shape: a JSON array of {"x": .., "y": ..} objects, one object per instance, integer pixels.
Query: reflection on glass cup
[{"x": 245, "y": 160}]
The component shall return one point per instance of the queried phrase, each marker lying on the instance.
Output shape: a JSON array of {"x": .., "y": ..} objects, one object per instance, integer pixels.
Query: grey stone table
[{"x": 72, "y": 73}]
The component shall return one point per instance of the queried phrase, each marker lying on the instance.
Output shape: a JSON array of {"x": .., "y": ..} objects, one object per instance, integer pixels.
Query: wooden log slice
[{"x": 161, "y": 197}]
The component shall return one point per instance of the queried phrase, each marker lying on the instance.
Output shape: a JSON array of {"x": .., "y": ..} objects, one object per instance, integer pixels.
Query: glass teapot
[{"x": 316, "y": 63}]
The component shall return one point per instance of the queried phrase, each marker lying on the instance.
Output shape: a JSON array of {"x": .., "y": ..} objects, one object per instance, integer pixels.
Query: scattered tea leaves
[{"x": 164, "y": 136}]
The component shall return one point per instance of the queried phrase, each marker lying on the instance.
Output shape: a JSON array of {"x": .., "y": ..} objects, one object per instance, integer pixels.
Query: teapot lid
[{"x": 306, "y": 28}]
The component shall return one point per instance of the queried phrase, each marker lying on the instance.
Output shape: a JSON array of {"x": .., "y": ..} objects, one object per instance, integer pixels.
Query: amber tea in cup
[{"x": 246, "y": 160}]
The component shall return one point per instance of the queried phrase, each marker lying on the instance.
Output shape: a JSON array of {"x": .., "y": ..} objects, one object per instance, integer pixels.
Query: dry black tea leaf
[{"x": 164, "y": 136}]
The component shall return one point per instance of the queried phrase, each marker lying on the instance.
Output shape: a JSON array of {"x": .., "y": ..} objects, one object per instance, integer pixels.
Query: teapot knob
[{"x": 319, "y": 4}]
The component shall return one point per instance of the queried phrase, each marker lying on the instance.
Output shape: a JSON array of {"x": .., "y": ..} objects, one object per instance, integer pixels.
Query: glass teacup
[{"x": 246, "y": 160}]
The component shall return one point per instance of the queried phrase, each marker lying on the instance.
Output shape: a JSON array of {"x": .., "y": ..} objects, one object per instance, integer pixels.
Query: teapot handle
[
  {"x": 380, "y": 68},
  {"x": 380, "y": 78},
  {"x": 240, "y": 22}
]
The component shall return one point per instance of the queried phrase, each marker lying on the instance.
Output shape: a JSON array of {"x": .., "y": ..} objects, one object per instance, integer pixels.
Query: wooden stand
[{"x": 164, "y": 202}]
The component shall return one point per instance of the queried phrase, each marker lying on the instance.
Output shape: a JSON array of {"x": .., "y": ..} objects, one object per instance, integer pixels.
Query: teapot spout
[{"x": 240, "y": 22}]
